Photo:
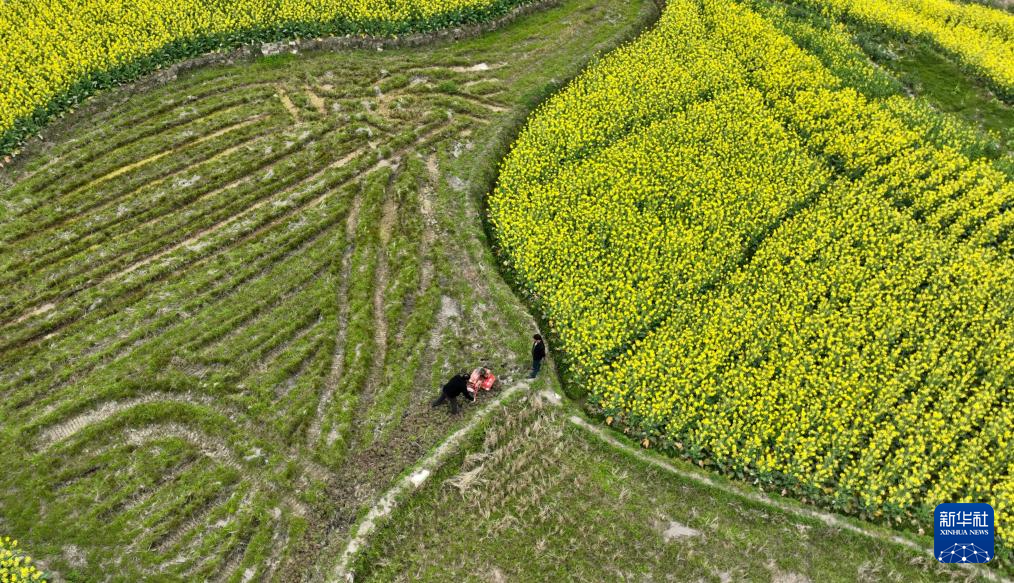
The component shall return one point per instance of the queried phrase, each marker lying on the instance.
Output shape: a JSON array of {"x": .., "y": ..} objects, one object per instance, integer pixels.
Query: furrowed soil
[
  {"x": 535, "y": 496},
  {"x": 228, "y": 300}
]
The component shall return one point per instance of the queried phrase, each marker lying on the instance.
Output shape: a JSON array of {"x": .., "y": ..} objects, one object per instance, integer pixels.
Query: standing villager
[
  {"x": 458, "y": 385},
  {"x": 538, "y": 355}
]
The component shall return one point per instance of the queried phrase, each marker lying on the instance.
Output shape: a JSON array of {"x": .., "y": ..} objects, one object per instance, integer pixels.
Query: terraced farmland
[
  {"x": 538, "y": 497},
  {"x": 228, "y": 300}
]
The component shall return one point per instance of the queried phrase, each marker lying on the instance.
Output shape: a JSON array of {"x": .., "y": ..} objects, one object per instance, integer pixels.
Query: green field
[
  {"x": 535, "y": 497},
  {"x": 229, "y": 300}
]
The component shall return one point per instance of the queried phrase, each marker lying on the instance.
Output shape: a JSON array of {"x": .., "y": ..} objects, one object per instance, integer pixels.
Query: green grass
[
  {"x": 229, "y": 300},
  {"x": 930, "y": 74},
  {"x": 535, "y": 498},
  {"x": 881, "y": 64}
]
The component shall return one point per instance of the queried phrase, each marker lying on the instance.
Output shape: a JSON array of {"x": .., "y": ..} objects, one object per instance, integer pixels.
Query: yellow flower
[{"x": 768, "y": 266}]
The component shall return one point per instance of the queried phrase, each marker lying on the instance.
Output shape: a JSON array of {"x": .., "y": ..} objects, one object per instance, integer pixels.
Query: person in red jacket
[
  {"x": 458, "y": 385},
  {"x": 482, "y": 378}
]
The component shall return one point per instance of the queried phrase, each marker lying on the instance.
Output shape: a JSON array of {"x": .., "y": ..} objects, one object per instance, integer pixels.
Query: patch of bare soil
[
  {"x": 155, "y": 157},
  {"x": 288, "y": 104},
  {"x": 68, "y": 427},
  {"x": 316, "y": 101},
  {"x": 429, "y": 221},
  {"x": 478, "y": 67},
  {"x": 193, "y": 242},
  {"x": 389, "y": 215},
  {"x": 40, "y": 310},
  {"x": 673, "y": 531},
  {"x": 279, "y": 541},
  {"x": 779, "y": 576}
]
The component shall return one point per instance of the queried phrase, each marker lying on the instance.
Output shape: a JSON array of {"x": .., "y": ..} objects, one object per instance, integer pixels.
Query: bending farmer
[
  {"x": 458, "y": 385},
  {"x": 482, "y": 378}
]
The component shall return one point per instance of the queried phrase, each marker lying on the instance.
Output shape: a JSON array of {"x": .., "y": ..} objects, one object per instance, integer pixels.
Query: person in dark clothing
[
  {"x": 458, "y": 385},
  {"x": 538, "y": 354}
]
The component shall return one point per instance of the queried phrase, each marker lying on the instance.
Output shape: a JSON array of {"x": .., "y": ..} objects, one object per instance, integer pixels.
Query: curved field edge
[
  {"x": 580, "y": 151},
  {"x": 880, "y": 64},
  {"x": 539, "y": 493},
  {"x": 474, "y": 20}
]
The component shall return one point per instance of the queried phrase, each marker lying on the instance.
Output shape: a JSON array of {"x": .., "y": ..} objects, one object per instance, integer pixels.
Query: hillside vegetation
[
  {"x": 752, "y": 260},
  {"x": 980, "y": 37}
]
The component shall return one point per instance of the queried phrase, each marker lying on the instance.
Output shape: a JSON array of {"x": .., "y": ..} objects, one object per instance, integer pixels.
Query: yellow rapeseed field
[
  {"x": 16, "y": 567},
  {"x": 753, "y": 264},
  {"x": 51, "y": 48},
  {"x": 982, "y": 37}
]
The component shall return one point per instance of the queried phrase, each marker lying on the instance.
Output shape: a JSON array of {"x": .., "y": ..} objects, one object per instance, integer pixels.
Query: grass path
[
  {"x": 831, "y": 520},
  {"x": 389, "y": 501}
]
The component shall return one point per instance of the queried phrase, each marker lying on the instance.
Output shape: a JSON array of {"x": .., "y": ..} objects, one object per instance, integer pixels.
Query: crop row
[
  {"x": 982, "y": 37},
  {"x": 756, "y": 265}
]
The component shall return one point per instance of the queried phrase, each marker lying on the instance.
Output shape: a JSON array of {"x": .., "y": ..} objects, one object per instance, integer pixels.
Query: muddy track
[
  {"x": 213, "y": 229},
  {"x": 389, "y": 215},
  {"x": 269, "y": 224},
  {"x": 429, "y": 217},
  {"x": 62, "y": 247},
  {"x": 288, "y": 104},
  {"x": 122, "y": 170},
  {"x": 67, "y": 428},
  {"x": 448, "y": 308},
  {"x": 216, "y": 449}
]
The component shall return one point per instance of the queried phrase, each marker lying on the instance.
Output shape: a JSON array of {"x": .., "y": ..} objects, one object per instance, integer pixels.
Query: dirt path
[
  {"x": 288, "y": 104},
  {"x": 192, "y": 241},
  {"x": 67, "y": 428},
  {"x": 316, "y": 101},
  {"x": 389, "y": 501},
  {"x": 156, "y": 157},
  {"x": 389, "y": 215},
  {"x": 392, "y": 498},
  {"x": 430, "y": 223}
]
